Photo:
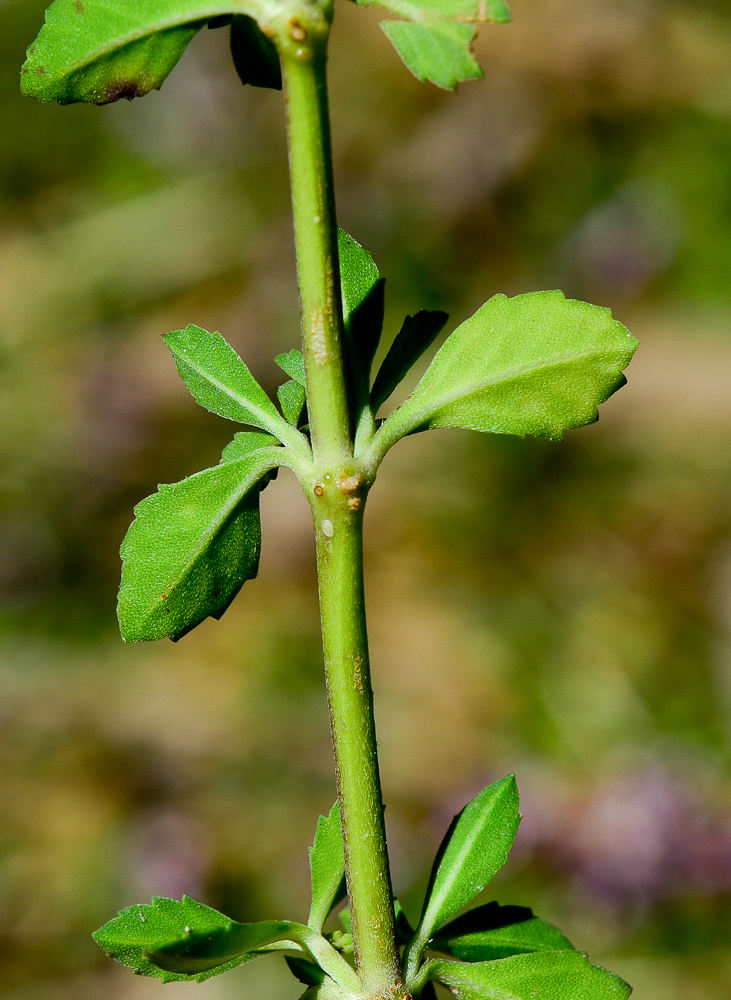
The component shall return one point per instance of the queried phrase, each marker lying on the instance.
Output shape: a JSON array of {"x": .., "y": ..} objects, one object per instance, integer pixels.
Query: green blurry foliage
[{"x": 594, "y": 635}]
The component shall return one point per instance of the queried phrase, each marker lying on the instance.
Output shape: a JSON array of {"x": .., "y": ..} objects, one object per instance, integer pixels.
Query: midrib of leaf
[
  {"x": 275, "y": 424},
  {"x": 512, "y": 375},
  {"x": 273, "y": 459}
]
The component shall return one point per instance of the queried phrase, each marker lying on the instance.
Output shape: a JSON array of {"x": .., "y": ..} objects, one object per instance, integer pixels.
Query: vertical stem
[
  {"x": 303, "y": 51},
  {"x": 350, "y": 698},
  {"x": 336, "y": 497}
]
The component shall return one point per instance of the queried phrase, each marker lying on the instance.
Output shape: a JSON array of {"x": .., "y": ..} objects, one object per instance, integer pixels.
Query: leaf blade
[
  {"x": 327, "y": 868},
  {"x": 415, "y": 336},
  {"x": 492, "y": 932},
  {"x": 438, "y": 52},
  {"x": 191, "y": 548},
  {"x": 361, "y": 290},
  {"x": 550, "y": 975}
]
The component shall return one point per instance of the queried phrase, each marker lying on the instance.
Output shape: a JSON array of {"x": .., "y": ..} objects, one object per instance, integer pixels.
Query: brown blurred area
[{"x": 560, "y": 610}]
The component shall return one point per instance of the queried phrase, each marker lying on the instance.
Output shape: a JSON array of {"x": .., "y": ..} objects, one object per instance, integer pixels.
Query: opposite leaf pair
[{"x": 497, "y": 952}]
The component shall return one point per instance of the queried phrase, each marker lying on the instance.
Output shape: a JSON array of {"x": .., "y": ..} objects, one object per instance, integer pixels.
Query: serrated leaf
[
  {"x": 475, "y": 847},
  {"x": 415, "y": 336},
  {"x": 362, "y": 292},
  {"x": 492, "y": 931},
  {"x": 293, "y": 364},
  {"x": 291, "y": 398},
  {"x": 327, "y": 867},
  {"x": 550, "y": 975},
  {"x": 244, "y": 442},
  {"x": 534, "y": 364},
  {"x": 191, "y": 547},
  {"x": 254, "y": 55},
  {"x": 436, "y": 53},
  {"x": 101, "y": 50},
  {"x": 219, "y": 380}
]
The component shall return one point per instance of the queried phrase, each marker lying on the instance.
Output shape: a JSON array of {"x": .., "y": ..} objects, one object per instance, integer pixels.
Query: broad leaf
[
  {"x": 327, "y": 865},
  {"x": 550, "y": 975},
  {"x": 436, "y": 53},
  {"x": 293, "y": 364},
  {"x": 291, "y": 398},
  {"x": 415, "y": 336},
  {"x": 534, "y": 364},
  {"x": 362, "y": 291},
  {"x": 254, "y": 55},
  {"x": 494, "y": 931},
  {"x": 475, "y": 847},
  {"x": 191, "y": 547},
  {"x": 219, "y": 379},
  {"x": 101, "y": 50}
]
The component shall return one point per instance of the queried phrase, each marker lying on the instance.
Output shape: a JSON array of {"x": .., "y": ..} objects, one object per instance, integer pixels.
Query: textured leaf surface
[
  {"x": 137, "y": 934},
  {"x": 492, "y": 931},
  {"x": 101, "y": 50},
  {"x": 361, "y": 289},
  {"x": 291, "y": 398},
  {"x": 293, "y": 364},
  {"x": 436, "y": 53},
  {"x": 327, "y": 865},
  {"x": 244, "y": 442},
  {"x": 534, "y": 364},
  {"x": 475, "y": 847},
  {"x": 548, "y": 975},
  {"x": 219, "y": 379},
  {"x": 254, "y": 55},
  {"x": 415, "y": 336},
  {"x": 191, "y": 547}
]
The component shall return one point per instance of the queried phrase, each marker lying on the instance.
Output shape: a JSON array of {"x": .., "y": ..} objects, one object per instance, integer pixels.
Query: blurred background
[{"x": 561, "y": 610}]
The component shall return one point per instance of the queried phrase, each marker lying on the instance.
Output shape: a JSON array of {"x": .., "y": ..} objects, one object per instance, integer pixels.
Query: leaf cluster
[{"x": 491, "y": 951}]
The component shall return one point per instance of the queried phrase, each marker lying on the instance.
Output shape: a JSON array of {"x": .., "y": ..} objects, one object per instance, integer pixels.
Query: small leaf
[
  {"x": 550, "y": 975},
  {"x": 362, "y": 292},
  {"x": 534, "y": 364},
  {"x": 219, "y": 380},
  {"x": 404, "y": 930},
  {"x": 293, "y": 364},
  {"x": 307, "y": 972},
  {"x": 101, "y": 50},
  {"x": 494, "y": 931},
  {"x": 291, "y": 398},
  {"x": 191, "y": 547},
  {"x": 244, "y": 442},
  {"x": 416, "y": 335},
  {"x": 436, "y": 53},
  {"x": 327, "y": 865},
  {"x": 135, "y": 936},
  {"x": 475, "y": 847},
  {"x": 254, "y": 55}
]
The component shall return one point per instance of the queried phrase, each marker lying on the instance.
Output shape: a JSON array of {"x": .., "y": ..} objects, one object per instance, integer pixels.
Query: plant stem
[{"x": 337, "y": 496}]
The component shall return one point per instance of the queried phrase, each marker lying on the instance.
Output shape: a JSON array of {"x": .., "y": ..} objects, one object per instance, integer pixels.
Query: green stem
[
  {"x": 339, "y": 525},
  {"x": 302, "y": 44},
  {"x": 336, "y": 495}
]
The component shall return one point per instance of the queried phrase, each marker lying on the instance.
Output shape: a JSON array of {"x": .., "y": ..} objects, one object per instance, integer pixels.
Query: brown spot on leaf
[
  {"x": 129, "y": 89},
  {"x": 79, "y": 7},
  {"x": 40, "y": 70}
]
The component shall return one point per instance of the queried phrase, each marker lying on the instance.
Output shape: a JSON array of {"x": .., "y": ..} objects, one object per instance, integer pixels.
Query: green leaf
[
  {"x": 101, "y": 50},
  {"x": 293, "y": 364},
  {"x": 362, "y": 292},
  {"x": 494, "y": 931},
  {"x": 550, "y": 975},
  {"x": 244, "y": 442},
  {"x": 254, "y": 55},
  {"x": 534, "y": 364},
  {"x": 291, "y": 398},
  {"x": 219, "y": 380},
  {"x": 455, "y": 10},
  {"x": 307, "y": 972},
  {"x": 191, "y": 547},
  {"x": 327, "y": 865},
  {"x": 140, "y": 933},
  {"x": 404, "y": 930},
  {"x": 416, "y": 335},
  {"x": 475, "y": 847},
  {"x": 436, "y": 53}
]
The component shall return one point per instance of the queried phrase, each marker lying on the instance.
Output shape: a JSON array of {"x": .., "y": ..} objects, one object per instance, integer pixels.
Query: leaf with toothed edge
[
  {"x": 101, "y": 50},
  {"x": 292, "y": 399},
  {"x": 293, "y": 364},
  {"x": 327, "y": 866},
  {"x": 362, "y": 294}
]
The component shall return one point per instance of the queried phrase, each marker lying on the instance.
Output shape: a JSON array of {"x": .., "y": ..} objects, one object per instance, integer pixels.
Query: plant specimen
[{"x": 533, "y": 364}]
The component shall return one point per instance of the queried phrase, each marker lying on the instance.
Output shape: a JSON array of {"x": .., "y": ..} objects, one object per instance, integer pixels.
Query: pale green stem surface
[{"x": 336, "y": 495}]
